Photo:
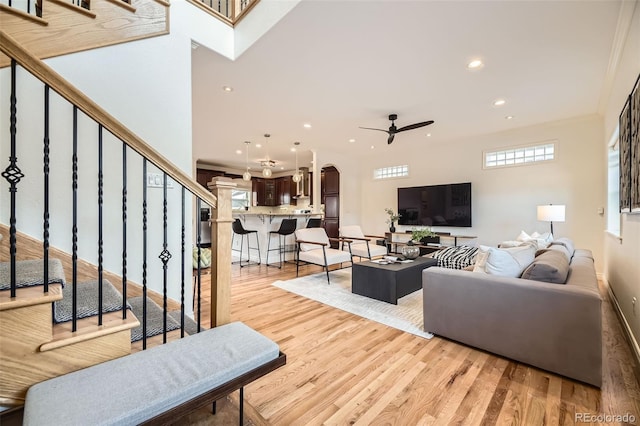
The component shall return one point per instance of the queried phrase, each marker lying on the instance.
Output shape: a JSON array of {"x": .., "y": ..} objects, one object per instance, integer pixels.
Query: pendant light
[
  {"x": 297, "y": 176},
  {"x": 246, "y": 176},
  {"x": 266, "y": 171}
]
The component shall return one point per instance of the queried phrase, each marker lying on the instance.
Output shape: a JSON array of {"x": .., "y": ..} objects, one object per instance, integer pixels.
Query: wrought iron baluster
[
  {"x": 45, "y": 216},
  {"x": 199, "y": 275},
  {"x": 100, "y": 240},
  {"x": 164, "y": 257},
  {"x": 13, "y": 174},
  {"x": 144, "y": 253},
  {"x": 124, "y": 230},
  {"x": 183, "y": 266},
  {"x": 74, "y": 256}
]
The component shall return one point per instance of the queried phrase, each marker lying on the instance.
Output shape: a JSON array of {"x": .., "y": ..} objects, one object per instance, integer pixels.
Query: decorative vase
[
  {"x": 410, "y": 252},
  {"x": 392, "y": 227}
]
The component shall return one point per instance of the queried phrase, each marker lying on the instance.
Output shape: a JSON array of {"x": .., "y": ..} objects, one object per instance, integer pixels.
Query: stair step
[
  {"x": 87, "y": 301},
  {"x": 88, "y": 328},
  {"x": 30, "y": 273},
  {"x": 28, "y": 296}
]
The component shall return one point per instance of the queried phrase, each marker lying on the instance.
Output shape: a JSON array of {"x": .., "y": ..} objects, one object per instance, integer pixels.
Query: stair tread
[
  {"x": 88, "y": 328},
  {"x": 30, "y": 273},
  {"x": 87, "y": 301},
  {"x": 28, "y": 296}
]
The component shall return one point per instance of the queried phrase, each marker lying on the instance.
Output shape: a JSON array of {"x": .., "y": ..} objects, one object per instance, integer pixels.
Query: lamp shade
[{"x": 551, "y": 213}]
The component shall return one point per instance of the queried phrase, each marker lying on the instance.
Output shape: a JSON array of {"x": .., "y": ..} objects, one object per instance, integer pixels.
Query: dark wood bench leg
[
  {"x": 213, "y": 408},
  {"x": 241, "y": 406}
]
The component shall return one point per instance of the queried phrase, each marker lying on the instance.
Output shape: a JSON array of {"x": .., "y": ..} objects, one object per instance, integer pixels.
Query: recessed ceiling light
[
  {"x": 293, "y": 149},
  {"x": 306, "y": 125},
  {"x": 258, "y": 145},
  {"x": 238, "y": 151},
  {"x": 281, "y": 168},
  {"x": 352, "y": 140},
  {"x": 475, "y": 64},
  {"x": 428, "y": 135},
  {"x": 372, "y": 147},
  {"x": 499, "y": 102},
  {"x": 227, "y": 88},
  {"x": 509, "y": 117}
]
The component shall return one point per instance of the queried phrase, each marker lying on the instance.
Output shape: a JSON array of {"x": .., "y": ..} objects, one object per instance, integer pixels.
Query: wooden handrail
[{"x": 10, "y": 47}]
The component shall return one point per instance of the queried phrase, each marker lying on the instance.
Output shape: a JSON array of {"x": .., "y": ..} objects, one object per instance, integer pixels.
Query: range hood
[{"x": 303, "y": 187}]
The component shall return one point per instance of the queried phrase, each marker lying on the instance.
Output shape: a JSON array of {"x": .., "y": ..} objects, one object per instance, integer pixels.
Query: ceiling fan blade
[
  {"x": 371, "y": 128},
  {"x": 414, "y": 126},
  {"x": 391, "y": 136}
]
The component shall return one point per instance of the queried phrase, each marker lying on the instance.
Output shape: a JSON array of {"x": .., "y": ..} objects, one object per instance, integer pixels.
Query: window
[
  {"x": 613, "y": 186},
  {"x": 519, "y": 156},
  {"x": 391, "y": 172}
]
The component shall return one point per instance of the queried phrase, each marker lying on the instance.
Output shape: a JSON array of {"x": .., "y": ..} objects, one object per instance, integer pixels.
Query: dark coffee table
[{"x": 388, "y": 282}]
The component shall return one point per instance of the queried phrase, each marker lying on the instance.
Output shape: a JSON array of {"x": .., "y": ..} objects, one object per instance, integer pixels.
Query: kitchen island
[{"x": 265, "y": 222}]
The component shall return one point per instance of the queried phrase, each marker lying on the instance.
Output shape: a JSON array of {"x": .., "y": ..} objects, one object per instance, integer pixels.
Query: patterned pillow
[{"x": 456, "y": 257}]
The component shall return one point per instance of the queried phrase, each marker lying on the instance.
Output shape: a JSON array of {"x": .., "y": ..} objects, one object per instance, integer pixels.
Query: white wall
[
  {"x": 504, "y": 200},
  {"x": 622, "y": 256}
]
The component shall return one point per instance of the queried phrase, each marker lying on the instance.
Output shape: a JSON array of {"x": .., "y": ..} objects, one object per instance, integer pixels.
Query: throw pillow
[
  {"x": 508, "y": 262},
  {"x": 551, "y": 266},
  {"x": 205, "y": 257},
  {"x": 567, "y": 242},
  {"x": 557, "y": 247},
  {"x": 457, "y": 257}
]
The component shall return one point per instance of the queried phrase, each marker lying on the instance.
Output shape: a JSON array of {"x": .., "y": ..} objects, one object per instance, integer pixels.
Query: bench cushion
[{"x": 137, "y": 387}]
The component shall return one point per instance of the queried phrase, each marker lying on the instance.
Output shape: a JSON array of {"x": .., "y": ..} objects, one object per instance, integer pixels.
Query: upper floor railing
[{"x": 228, "y": 11}]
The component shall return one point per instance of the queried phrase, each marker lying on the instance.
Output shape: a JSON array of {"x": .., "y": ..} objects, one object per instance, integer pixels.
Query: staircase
[
  {"x": 113, "y": 245},
  {"x": 35, "y": 348}
]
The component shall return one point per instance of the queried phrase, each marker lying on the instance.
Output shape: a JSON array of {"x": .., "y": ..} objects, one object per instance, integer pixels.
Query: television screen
[{"x": 435, "y": 205}]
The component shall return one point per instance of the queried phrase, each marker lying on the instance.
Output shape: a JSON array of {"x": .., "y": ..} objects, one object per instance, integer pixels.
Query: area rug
[{"x": 405, "y": 316}]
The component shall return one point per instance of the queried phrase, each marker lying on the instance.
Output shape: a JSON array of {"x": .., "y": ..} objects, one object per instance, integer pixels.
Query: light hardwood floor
[{"x": 343, "y": 369}]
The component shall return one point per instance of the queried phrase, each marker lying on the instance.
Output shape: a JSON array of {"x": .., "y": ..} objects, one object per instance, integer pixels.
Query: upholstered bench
[{"x": 157, "y": 385}]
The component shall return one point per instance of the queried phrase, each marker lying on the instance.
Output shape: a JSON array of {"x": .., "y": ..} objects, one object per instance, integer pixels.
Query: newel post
[{"x": 221, "y": 220}]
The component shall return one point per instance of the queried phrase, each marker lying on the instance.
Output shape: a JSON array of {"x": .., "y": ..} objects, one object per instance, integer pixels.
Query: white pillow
[
  {"x": 509, "y": 262},
  {"x": 523, "y": 236},
  {"x": 481, "y": 260}
]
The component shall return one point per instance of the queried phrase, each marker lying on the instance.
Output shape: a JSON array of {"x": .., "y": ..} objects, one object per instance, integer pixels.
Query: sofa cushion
[
  {"x": 507, "y": 262},
  {"x": 551, "y": 266},
  {"x": 457, "y": 257}
]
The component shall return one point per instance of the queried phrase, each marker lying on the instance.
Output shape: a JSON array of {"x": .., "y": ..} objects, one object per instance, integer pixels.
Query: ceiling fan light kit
[{"x": 393, "y": 129}]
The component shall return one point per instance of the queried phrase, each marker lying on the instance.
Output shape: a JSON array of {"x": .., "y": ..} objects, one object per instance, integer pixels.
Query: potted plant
[
  {"x": 393, "y": 218},
  {"x": 419, "y": 235}
]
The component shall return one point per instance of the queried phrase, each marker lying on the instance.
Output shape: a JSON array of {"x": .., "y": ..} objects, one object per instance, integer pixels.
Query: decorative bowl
[{"x": 410, "y": 252}]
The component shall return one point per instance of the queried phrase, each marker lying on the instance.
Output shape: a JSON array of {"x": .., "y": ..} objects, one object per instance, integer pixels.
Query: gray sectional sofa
[{"x": 556, "y": 327}]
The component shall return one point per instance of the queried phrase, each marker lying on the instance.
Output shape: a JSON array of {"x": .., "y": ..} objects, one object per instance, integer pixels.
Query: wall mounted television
[{"x": 435, "y": 205}]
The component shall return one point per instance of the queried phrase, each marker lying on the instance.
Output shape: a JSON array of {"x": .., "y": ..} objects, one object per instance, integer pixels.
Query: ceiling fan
[{"x": 393, "y": 129}]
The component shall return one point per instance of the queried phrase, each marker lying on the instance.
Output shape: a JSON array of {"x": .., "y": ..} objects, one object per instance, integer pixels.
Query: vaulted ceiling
[{"x": 338, "y": 65}]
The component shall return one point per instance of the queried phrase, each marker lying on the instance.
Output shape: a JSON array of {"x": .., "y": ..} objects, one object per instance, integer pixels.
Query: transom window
[
  {"x": 519, "y": 156},
  {"x": 391, "y": 172}
]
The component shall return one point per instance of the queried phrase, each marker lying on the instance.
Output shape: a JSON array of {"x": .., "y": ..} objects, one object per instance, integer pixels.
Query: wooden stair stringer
[{"x": 65, "y": 28}]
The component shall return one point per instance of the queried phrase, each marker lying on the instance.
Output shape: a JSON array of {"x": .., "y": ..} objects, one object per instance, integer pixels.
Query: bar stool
[
  {"x": 287, "y": 227},
  {"x": 239, "y": 229},
  {"x": 314, "y": 222}
]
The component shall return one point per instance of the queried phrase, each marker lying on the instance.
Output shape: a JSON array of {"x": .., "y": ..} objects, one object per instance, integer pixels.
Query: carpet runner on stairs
[
  {"x": 155, "y": 319},
  {"x": 31, "y": 273},
  {"x": 87, "y": 301}
]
